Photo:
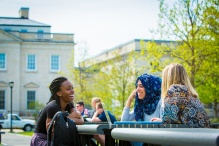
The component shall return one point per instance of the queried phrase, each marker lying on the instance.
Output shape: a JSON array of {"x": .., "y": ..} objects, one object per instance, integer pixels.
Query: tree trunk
[{"x": 215, "y": 109}]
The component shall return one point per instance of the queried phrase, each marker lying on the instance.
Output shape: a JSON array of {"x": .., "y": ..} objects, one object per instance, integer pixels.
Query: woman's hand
[
  {"x": 75, "y": 114},
  {"x": 155, "y": 119},
  {"x": 99, "y": 111},
  {"x": 132, "y": 95}
]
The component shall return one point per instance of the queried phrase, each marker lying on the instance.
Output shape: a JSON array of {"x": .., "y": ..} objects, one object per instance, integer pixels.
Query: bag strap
[{"x": 49, "y": 131}]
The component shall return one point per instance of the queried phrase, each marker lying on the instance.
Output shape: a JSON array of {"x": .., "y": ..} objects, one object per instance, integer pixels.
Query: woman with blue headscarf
[
  {"x": 147, "y": 104},
  {"x": 147, "y": 99}
]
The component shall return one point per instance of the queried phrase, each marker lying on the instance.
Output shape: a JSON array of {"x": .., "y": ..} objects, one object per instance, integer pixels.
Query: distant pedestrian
[
  {"x": 94, "y": 101},
  {"x": 100, "y": 116},
  {"x": 80, "y": 107}
]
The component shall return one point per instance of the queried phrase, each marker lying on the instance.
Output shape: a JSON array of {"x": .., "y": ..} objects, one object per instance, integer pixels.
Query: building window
[
  {"x": 23, "y": 30},
  {"x": 7, "y": 29},
  {"x": 2, "y": 99},
  {"x": 40, "y": 34},
  {"x": 31, "y": 98},
  {"x": 54, "y": 63},
  {"x": 31, "y": 62},
  {"x": 2, "y": 61}
]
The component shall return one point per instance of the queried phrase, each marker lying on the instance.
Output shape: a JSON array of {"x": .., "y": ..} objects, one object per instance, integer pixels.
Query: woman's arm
[
  {"x": 76, "y": 116},
  {"x": 130, "y": 99},
  {"x": 95, "y": 117},
  {"x": 48, "y": 120},
  {"x": 126, "y": 116}
]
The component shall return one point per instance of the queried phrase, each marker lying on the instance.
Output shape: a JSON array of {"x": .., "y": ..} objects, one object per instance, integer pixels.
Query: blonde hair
[
  {"x": 96, "y": 99},
  {"x": 176, "y": 74}
]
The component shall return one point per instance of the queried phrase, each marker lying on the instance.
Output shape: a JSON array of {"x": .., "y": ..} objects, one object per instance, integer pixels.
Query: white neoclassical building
[{"x": 30, "y": 56}]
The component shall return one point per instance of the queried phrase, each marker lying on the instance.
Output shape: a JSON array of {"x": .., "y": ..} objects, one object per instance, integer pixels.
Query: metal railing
[
  {"x": 149, "y": 134},
  {"x": 169, "y": 136}
]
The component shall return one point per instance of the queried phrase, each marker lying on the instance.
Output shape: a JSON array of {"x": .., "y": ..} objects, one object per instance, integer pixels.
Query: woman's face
[
  {"x": 93, "y": 104},
  {"x": 66, "y": 92},
  {"x": 99, "y": 110},
  {"x": 140, "y": 90}
]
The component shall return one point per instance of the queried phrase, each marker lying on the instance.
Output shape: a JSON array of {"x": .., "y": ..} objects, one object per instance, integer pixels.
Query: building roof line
[
  {"x": 126, "y": 43},
  {"x": 18, "y": 21},
  {"x": 23, "y": 25},
  {"x": 11, "y": 35}
]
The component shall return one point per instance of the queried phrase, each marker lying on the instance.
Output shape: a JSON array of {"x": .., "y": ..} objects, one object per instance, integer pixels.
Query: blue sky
[{"x": 101, "y": 24}]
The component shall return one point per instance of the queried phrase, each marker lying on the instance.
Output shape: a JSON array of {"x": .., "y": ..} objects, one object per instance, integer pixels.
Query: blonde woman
[
  {"x": 94, "y": 101},
  {"x": 99, "y": 138},
  {"x": 100, "y": 116},
  {"x": 181, "y": 102}
]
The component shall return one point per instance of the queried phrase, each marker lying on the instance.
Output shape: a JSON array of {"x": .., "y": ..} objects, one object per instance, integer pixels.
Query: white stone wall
[{"x": 16, "y": 58}]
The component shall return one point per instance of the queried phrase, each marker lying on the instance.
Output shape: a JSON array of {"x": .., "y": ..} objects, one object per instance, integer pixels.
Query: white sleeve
[{"x": 126, "y": 116}]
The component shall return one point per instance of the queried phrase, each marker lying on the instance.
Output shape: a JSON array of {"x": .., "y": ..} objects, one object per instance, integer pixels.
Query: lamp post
[{"x": 11, "y": 84}]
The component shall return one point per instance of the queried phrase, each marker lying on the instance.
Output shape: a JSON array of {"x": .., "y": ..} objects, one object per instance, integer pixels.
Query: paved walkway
[{"x": 13, "y": 139}]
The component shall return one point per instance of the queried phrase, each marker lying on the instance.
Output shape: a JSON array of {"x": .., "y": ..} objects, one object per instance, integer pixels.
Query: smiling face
[
  {"x": 66, "y": 92},
  {"x": 140, "y": 90}
]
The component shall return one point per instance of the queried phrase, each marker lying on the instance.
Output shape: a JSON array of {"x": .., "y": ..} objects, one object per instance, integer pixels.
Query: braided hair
[{"x": 55, "y": 87}]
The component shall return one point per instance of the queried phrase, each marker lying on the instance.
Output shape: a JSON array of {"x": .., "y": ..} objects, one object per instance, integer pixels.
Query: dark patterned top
[{"x": 181, "y": 108}]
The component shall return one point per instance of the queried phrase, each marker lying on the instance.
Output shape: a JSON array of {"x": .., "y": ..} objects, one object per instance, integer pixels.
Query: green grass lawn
[
  {"x": 214, "y": 120},
  {"x": 26, "y": 133}
]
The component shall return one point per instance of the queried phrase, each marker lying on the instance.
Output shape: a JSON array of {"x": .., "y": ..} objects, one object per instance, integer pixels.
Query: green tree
[
  {"x": 115, "y": 81},
  {"x": 37, "y": 108},
  {"x": 210, "y": 81},
  {"x": 101, "y": 86},
  {"x": 80, "y": 75},
  {"x": 190, "y": 24}
]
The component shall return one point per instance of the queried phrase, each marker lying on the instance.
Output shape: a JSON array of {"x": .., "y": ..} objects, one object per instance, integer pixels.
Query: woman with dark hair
[
  {"x": 61, "y": 100},
  {"x": 147, "y": 101}
]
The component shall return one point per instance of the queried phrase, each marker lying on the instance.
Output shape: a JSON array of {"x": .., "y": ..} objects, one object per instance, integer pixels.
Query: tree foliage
[
  {"x": 112, "y": 80},
  {"x": 115, "y": 81},
  {"x": 80, "y": 75},
  {"x": 193, "y": 25}
]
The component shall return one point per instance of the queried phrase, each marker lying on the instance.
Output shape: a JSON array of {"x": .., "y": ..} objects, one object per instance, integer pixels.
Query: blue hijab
[{"x": 152, "y": 86}]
